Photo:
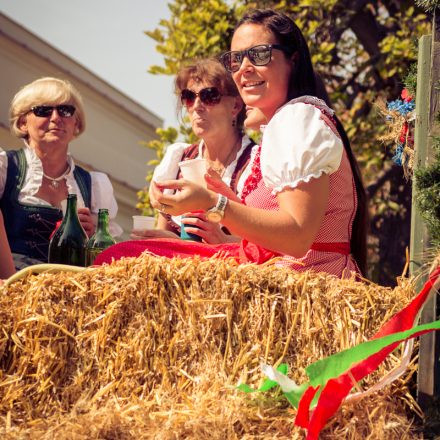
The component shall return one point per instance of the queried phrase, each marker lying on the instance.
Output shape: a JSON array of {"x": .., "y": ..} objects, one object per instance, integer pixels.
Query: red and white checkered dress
[{"x": 274, "y": 168}]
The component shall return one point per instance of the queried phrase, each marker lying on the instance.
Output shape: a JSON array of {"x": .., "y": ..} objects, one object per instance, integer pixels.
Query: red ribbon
[
  {"x": 338, "y": 247},
  {"x": 336, "y": 389}
]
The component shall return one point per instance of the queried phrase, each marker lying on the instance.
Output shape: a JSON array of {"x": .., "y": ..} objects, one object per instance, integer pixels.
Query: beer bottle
[
  {"x": 100, "y": 240},
  {"x": 68, "y": 244}
]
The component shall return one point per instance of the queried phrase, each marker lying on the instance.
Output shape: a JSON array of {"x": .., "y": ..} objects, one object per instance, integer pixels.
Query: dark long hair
[{"x": 304, "y": 81}]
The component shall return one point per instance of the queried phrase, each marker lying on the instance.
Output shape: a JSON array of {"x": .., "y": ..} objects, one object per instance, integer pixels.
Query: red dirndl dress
[{"x": 330, "y": 251}]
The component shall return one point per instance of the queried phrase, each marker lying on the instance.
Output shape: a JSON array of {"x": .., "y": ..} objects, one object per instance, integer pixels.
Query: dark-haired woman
[{"x": 304, "y": 200}]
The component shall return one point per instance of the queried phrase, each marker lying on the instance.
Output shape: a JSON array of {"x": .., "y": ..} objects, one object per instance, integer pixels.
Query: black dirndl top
[{"x": 27, "y": 226}]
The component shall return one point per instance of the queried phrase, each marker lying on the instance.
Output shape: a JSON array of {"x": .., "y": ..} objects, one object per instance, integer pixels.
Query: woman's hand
[
  {"x": 152, "y": 193},
  {"x": 211, "y": 233},
  {"x": 145, "y": 234},
  {"x": 215, "y": 183},
  {"x": 86, "y": 220},
  {"x": 188, "y": 197}
]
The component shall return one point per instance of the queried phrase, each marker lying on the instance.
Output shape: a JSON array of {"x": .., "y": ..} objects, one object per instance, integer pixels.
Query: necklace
[
  {"x": 221, "y": 169},
  {"x": 55, "y": 181}
]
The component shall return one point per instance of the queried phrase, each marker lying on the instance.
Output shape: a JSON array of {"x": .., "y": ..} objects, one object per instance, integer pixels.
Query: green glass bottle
[
  {"x": 101, "y": 239},
  {"x": 68, "y": 244}
]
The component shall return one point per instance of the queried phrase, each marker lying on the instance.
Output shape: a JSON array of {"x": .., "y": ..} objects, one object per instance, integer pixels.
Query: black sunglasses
[
  {"x": 258, "y": 55},
  {"x": 208, "y": 95},
  {"x": 45, "y": 111}
]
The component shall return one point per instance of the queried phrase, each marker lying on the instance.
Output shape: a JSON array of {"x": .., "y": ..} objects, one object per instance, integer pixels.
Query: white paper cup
[
  {"x": 143, "y": 222},
  {"x": 194, "y": 170}
]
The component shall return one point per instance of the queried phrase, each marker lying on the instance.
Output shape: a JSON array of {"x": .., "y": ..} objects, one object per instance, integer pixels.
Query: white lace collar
[{"x": 34, "y": 173}]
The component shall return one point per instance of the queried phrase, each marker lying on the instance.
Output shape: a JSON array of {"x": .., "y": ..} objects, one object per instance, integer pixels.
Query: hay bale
[{"x": 153, "y": 348}]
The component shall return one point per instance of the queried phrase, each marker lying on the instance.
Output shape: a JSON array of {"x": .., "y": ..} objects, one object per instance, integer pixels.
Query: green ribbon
[
  {"x": 333, "y": 366},
  {"x": 320, "y": 372}
]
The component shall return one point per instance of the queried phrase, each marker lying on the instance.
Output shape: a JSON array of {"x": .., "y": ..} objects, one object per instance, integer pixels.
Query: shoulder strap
[
  {"x": 84, "y": 181},
  {"x": 189, "y": 153},
  {"x": 16, "y": 173},
  {"x": 242, "y": 162}
]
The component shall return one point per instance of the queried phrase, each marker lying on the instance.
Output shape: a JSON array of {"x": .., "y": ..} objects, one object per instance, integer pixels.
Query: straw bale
[{"x": 153, "y": 348}]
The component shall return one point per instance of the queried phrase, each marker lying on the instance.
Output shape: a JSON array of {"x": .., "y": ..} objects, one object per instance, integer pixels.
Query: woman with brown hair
[{"x": 211, "y": 100}]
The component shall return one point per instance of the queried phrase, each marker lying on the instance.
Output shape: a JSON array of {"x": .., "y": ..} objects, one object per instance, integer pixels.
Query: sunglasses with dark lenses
[
  {"x": 45, "y": 111},
  {"x": 208, "y": 95},
  {"x": 258, "y": 55}
]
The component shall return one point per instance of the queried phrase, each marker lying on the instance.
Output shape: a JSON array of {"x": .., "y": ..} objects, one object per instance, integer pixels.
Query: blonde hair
[{"x": 45, "y": 91}]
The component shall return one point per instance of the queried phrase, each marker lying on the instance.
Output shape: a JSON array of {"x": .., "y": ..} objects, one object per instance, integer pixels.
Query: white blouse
[
  {"x": 101, "y": 187},
  {"x": 298, "y": 144},
  {"x": 169, "y": 166}
]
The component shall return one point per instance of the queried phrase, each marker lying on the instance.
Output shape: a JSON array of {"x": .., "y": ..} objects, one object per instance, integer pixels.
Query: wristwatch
[{"x": 216, "y": 213}]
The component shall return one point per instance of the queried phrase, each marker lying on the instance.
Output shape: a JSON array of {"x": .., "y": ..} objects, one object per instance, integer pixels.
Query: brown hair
[{"x": 209, "y": 71}]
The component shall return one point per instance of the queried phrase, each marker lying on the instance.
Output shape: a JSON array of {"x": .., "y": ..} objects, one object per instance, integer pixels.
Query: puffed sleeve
[
  {"x": 169, "y": 165},
  {"x": 3, "y": 171},
  {"x": 298, "y": 145},
  {"x": 102, "y": 197}
]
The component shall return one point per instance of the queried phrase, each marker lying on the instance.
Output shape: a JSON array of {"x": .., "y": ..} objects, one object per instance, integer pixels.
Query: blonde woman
[{"x": 35, "y": 181}]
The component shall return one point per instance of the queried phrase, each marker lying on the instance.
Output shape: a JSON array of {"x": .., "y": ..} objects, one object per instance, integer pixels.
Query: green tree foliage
[
  {"x": 197, "y": 29},
  {"x": 428, "y": 179},
  {"x": 428, "y": 5},
  {"x": 428, "y": 194},
  {"x": 361, "y": 49}
]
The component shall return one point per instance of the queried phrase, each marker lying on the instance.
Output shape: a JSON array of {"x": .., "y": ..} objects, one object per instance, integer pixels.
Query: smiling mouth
[{"x": 252, "y": 84}]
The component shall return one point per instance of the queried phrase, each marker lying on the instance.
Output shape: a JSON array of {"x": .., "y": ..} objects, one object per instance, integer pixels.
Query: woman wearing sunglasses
[
  {"x": 34, "y": 181},
  {"x": 210, "y": 98},
  {"x": 304, "y": 200}
]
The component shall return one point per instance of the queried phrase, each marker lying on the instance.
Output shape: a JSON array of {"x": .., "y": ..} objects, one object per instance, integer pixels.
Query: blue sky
[{"x": 107, "y": 37}]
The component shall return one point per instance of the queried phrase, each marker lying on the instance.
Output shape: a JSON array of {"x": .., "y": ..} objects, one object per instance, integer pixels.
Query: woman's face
[
  {"x": 263, "y": 87},
  {"x": 211, "y": 121},
  {"x": 53, "y": 129}
]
